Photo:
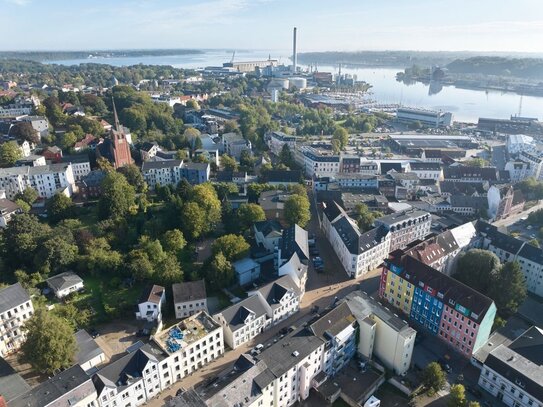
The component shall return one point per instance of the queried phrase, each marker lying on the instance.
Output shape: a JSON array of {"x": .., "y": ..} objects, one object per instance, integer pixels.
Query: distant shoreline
[{"x": 42, "y": 56}]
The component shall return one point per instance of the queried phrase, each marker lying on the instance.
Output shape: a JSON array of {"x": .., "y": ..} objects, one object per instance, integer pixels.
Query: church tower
[{"x": 120, "y": 148}]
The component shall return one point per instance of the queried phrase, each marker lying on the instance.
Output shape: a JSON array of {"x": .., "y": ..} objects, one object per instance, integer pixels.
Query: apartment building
[
  {"x": 512, "y": 373},
  {"x": 350, "y": 180},
  {"x": 276, "y": 140},
  {"x": 233, "y": 144},
  {"x": 72, "y": 387},
  {"x": 535, "y": 162},
  {"x": 15, "y": 308},
  {"x": 171, "y": 172},
  {"x": 150, "y": 303},
  {"x": 359, "y": 252},
  {"x": 462, "y": 173},
  {"x": 405, "y": 227},
  {"x": 264, "y": 308},
  {"x": 317, "y": 163},
  {"x": 46, "y": 179},
  {"x": 337, "y": 329},
  {"x": 427, "y": 170},
  {"x": 279, "y": 377},
  {"x": 268, "y": 234},
  {"x": 381, "y": 332},
  {"x": 438, "y": 252},
  {"x": 189, "y": 298},
  {"x": 431, "y": 118},
  {"x": 509, "y": 248},
  {"x": 458, "y": 315}
]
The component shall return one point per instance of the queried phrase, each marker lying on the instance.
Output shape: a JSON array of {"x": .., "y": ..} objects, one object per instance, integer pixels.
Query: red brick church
[{"x": 115, "y": 148}]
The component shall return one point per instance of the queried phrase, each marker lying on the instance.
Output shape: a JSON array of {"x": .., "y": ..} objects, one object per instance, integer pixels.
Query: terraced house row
[{"x": 437, "y": 303}]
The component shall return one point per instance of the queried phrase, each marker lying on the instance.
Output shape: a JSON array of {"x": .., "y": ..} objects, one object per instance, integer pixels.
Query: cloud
[{"x": 18, "y": 2}]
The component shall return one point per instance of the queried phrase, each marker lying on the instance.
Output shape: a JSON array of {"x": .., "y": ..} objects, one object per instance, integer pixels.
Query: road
[
  {"x": 321, "y": 289},
  {"x": 514, "y": 218}
]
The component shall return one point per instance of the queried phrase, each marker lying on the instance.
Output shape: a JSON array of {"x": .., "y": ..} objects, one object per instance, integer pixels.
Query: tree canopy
[
  {"x": 233, "y": 247},
  {"x": 118, "y": 196},
  {"x": 433, "y": 377},
  {"x": 297, "y": 210}
]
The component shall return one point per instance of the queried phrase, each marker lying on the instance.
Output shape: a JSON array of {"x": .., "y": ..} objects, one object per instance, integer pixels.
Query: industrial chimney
[{"x": 294, "y": 53}]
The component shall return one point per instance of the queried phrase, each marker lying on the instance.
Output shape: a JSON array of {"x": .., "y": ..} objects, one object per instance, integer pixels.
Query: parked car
[
  {"x": 445, "y": 366},
  {"x": 315, "y": 309},
  {"x": 313, "y": 251},
  {"x": 284, "y": 331},
  {"x": 93, "y": 332}
]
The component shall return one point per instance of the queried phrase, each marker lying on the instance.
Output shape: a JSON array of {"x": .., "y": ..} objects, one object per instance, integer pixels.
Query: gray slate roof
[
  {"x": 236, "y": 314},
  {"x": 63, "y": 280},
  {"x": 189, "y": 291},
  {"x": 295, "y": 239},
  {"x": 88, "y": 348},
  {"x": 12, "y": 296},
  {"x": 12, "y": 384}
]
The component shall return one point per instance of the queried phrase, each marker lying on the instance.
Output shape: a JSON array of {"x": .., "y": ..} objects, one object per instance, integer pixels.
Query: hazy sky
[{"x": 489, "y": 25}]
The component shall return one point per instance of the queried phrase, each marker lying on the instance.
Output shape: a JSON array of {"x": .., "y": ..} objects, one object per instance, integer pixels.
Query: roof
[
  {"x": 452, "y": 291},
  {"x": 506, "y": 242},
  {"x": 88, "y": 348},
  {"x": 73, "y": 384},
  {"x": 157, "y": 165},
  {"x": 459, "y": 187},
  {"x": 425, "y": 166},
  {"x": 465, "y": 172},
  {"x": 435, "y": 248},
  {"x": 124, "y": 370},
  {"x": 196, "y": 166},
  {"x": 332, "y": 210},
  {"x": 273, "y": 200},
  {"x": 267, "y": 227},
  {"x": 7, "y": 206},
  {"x": 236, "y": 314},
  {"x": 152, "y": 293},
  {"x": 189, "y": 291},
  {"x": 333, "y": 322},
  {"x": 244, "y": 265},
  {"x": 386, "y": 167},
  {"x": 12, "y": 384},
  {"x": 148, "y": 145},
  {"x": 401, "y": 217},
  {"x": 287, "y": 353},
  {"x": 274, "y": 292},
  {"x": 466, "y": 201},
  {"x": 12, "y": 296},
  {"x": 532, "y": 253},
  {"x": 521, "y": 362},
  {"x": 362, "y": 306},
  {"x": 295, "y": 239},
  {"x": 63, "y": 281},
  {"x": 284, "y": 176}
]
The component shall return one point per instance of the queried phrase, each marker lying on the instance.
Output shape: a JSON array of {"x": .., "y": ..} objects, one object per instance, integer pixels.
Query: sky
[{"x": 342, "y": 25}]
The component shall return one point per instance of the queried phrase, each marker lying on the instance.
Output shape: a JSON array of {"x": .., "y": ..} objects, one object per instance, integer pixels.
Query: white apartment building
[
  {"x": 15, "y": 110},
  {"x": 15, "y": 308},
  {"x": 277, "y": 139},
  {"x": 512, "y": 373},
  {"x": 39, "y": 124},
  {"x": 317, "y": 164},
  {"x": 405, "y": 227},
  {"x": 281, "y": 298},
  {"x": 189, "y": 298},
  {"x": 359, "y": 252},
  {"x": 278, "y": 377},
  {"x": 46, "y": 179},
  {"x": 518, "y": 170},
  {"x": 517, "y": 143},
  {"x": 427, "y": 170},
  {"x": 509, "y": 248},
  {"x": 80, "y": 169},
  {"x": 150, "y": 303},
  {"x": 146, "y": 370},
  {"x": 292, "y": 255},
  {"x": 349, "y": 180},
  {"x": 535, "y": 162},
  {"x": 382, "y": 333},
  {"x": 167, "y": 172},
  {"x": 243, "y": 321},
  {"x": 268, "y": 234}
]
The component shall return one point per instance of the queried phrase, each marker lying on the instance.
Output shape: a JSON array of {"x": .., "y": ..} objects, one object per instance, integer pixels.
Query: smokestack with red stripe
[{"x": 294, "y": 53}]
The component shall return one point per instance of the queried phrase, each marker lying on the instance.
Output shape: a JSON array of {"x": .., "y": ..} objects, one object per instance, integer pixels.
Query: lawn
[{"x": 108, "y": 298}]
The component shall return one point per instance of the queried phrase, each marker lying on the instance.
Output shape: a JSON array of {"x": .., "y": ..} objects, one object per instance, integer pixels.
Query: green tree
[
  {"x": 29, "y": 195},
  {"x": 221, "y": 273},
  {"x": 24, "y": 131},
  {"x": 22, "y": 237},
  {"x": 206, "y": 197},
  {"x": 67, "y": 140},
  {"x": 336, "y": 146},
  {"x": 173, "y": 241},
  {"x": 169, "y": 271},
  {"x": 233, "y": 247},
  {"x": 457, "y": 397},
  {"x": 341, "y": 135},
  {"x": 229, "y": 163},
  {"x": 365, "y": 217},
  {"x": 138, "y": 265},
  {"x": 100, "y": 258},
  {"x": 56, "y": 253},
  {"x": 59, "y": 207},
  {"x": 134, "y": 177},
  {"x": 477, "y": 269},
  {"x": 23, "y": 205},
  {"x": 9, "y": 153},
  {"x": 117, "y": 198},
  {"x": 231, "y": 126},
  {"x": 193, "y": 220},
  {"x": 508, "y": 290},
  {"x": 50, "y": 342},
  {"x": 297, "y": 210},
  {"x": 248, "y": 214},
  {"x": 535, "y": 242},
  {"x": 77, "y": 318},
  {"x": 433, "y": 377},
  {"x": 286, "y": 157}
]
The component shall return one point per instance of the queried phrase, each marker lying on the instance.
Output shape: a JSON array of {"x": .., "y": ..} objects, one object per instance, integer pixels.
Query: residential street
[{"x": 321, "y": 290}]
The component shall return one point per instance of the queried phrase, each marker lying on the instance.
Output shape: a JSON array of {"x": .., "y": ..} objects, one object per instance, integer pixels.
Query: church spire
[{"x": 116, "y": 118}]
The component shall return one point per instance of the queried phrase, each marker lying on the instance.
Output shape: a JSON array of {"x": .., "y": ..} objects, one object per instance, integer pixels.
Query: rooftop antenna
[{"x": 233, "y": 55}]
